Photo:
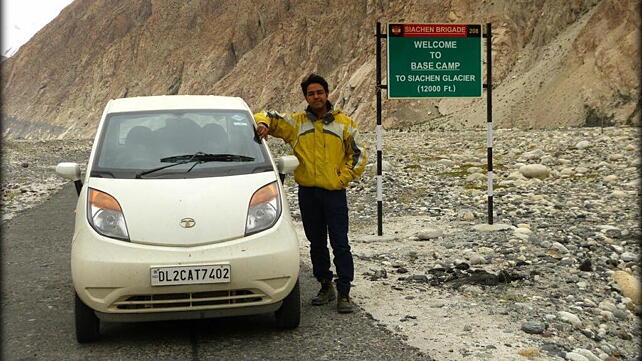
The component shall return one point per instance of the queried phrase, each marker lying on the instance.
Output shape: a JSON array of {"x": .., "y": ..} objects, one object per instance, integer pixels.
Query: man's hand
[{"x": 262, "y": 130}]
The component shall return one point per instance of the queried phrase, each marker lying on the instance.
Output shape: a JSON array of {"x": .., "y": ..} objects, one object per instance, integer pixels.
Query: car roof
[{"x": 170, "y": 102}]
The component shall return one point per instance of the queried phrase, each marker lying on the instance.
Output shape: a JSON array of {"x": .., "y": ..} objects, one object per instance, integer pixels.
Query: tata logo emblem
[
  {"x": 396, "y": 30},
  {"x": 187, "y": 222}
]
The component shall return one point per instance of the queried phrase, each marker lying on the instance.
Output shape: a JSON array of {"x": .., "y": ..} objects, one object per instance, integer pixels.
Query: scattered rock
[
  {"x": 586, "y": 266},
  {"x": 535, "y": 171},
  {"x": 492, "y": 227},
  {"x": 428, "y": 234},
  {"x": 570, "y": 318},
  {"x": 629, "y": 285},
  {"x": 573, "y": 356},
  {"x": 583, "y": 144},
  {"x": 534, "y": 327}
]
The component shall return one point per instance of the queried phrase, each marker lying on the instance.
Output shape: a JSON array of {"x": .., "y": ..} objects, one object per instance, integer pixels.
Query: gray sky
[{"x": 21, "y": 20}]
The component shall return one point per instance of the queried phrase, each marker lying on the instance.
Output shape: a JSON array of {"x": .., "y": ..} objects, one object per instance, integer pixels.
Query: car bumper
[{"x": 113, "y": 277}]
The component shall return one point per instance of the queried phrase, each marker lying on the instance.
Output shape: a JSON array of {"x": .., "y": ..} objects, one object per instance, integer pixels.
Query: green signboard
[{"x": 434, "y": 61}]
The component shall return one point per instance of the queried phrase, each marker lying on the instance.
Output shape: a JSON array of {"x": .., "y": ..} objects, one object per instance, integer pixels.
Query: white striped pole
[
  {"x": 489, "y": 116},
  {"x": 379, "y": 136}
]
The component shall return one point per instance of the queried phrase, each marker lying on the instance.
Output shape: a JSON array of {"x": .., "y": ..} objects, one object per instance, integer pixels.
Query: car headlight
[
  {"x": 264, "y": 209},
  {"x": 105, "y": 215}
]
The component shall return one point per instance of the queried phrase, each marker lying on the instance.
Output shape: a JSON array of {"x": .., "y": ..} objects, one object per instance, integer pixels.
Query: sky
[{"x": 21, "y": 20}]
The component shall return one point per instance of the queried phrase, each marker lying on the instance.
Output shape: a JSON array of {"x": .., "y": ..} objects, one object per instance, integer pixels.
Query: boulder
[
  {"x": 629, "y": 285},
  {"x": 583, "y": 144},
  {"x": 535, "y": 171}
]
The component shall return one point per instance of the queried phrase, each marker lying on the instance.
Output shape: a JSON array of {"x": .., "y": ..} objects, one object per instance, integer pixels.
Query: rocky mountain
[{"x": 555, "y": 63}]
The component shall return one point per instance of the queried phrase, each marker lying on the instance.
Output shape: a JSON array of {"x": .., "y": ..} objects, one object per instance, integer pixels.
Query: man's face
[{"x": 316, "y": 96}]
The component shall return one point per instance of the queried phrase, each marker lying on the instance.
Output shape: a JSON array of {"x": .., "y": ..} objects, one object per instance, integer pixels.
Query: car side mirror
[
  {"x": 70, "y": 171},
  {"x": 287, "y": 164}
]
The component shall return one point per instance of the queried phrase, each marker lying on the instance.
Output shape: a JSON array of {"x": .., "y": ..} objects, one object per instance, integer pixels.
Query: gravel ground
[{"x": 557, "y": 277}]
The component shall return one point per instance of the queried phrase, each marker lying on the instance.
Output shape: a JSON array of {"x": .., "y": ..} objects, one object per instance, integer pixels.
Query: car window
[{"x": 138, "y": 141}]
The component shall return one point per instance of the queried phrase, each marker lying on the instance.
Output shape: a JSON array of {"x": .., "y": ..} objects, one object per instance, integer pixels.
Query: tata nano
[{"x": 181, "y": 215}]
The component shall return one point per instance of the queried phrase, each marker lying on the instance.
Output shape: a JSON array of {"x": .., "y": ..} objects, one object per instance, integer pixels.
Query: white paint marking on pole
[
  {"x": 489, "y": 128},
  {"x": 490, "y": 184},
  {"x": 379, "y": 137},
  {"x": 379, "y": 188}
]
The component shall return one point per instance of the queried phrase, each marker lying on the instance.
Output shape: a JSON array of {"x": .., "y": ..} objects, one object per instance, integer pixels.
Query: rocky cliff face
[{"x": 555, "y": 63}]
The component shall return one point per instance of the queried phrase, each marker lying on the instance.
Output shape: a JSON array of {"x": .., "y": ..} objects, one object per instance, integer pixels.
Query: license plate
[{"x": 190, "y": 275}]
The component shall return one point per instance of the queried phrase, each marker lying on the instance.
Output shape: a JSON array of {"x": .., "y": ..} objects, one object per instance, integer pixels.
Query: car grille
[{"x": 194, "y": 299}]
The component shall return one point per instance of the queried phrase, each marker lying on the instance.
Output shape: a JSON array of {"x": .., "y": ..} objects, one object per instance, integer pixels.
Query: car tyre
[
  {"x": 288, "y": 316},
  {"x": 87, "y": 323}
]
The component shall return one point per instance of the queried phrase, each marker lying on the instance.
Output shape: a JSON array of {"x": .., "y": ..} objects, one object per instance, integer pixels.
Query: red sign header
[{"x": 435, "y": 30}]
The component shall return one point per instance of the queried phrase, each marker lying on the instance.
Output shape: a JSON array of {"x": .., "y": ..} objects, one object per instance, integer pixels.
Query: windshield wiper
[
  {"x": 207, "y": 157},
  {"x": 198, "y": 157}
]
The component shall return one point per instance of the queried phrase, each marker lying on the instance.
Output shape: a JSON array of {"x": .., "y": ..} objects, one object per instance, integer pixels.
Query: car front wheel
[
  {"x": 288, "y": 315},
  {"x": 87, "y": 323}
]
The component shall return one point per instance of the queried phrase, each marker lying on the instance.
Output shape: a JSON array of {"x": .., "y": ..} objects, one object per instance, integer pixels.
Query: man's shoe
[
  {"x": 344, "y": 305},
  {"x": 326, "y": 294}
]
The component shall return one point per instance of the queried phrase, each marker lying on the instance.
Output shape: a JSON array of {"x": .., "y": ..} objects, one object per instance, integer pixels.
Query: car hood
[{"x": 154, "y": 208}]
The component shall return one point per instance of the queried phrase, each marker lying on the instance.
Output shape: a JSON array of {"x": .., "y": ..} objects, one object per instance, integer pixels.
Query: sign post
[
  {"x": 489, "y": 117},
  {"x": 379, "y": 175},
  {"x": 434, "y": 61}
]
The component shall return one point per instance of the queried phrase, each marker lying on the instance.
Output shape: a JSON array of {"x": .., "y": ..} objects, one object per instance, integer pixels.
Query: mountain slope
[{"x": 554, "y": 63}]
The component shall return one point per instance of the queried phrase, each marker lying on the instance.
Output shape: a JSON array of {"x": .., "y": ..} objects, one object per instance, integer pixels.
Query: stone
[
  {"x": 586, "y": 266},
  {"x": 618, "y": 194},
  {"x": 573, "y": 356},
  {"x": 429, "y": 233},
  {"x": 516, "y": 176},
  {"x": 559, "y": 247},
  {"x": 475, "y": 177},
  {"x": 583, "y": 144},
  {"x": 534, "y": 154},
  {"x": 476, "y": 259},
  {"x": 534, "y": 327},
  {"x": 526, "y": 231},
  {"x": 620, "y": 314},
  {"x": 629, "y": 285},
  {"x": 553, "y": 349},
  {"x": 379, "y": 274},
  {"x": 629, "y": 257},
  {"x": 535, "y": 171},
  {"x": 607, "y": 306},
  {"x": 570, "y": 318},
  {"x": 492, "y": 227},
  {"x": 467, "y": 215},
  {"x": 567, "y": 171},
  {"x": 417, "y": 278}
]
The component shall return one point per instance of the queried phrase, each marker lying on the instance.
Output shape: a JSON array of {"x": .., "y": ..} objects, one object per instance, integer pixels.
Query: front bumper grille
[{"x": 191, "y": 300}]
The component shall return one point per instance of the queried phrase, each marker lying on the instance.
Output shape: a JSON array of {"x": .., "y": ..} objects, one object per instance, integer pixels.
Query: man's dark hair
[{"x": 311, "y": 79}]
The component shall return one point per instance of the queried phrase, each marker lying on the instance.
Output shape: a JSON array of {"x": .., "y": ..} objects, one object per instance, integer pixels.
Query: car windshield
[{"x": 136, "y": 142}]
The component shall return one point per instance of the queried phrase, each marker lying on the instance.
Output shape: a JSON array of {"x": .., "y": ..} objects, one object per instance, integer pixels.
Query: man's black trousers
[{"x": 324, "y": 213}]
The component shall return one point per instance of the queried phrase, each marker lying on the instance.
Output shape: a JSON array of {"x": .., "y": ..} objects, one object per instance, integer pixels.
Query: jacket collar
[{"x": 327, "y": 118}]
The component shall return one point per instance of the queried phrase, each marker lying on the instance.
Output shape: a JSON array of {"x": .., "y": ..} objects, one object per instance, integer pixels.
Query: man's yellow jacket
[{"x": 329, "y": 150}]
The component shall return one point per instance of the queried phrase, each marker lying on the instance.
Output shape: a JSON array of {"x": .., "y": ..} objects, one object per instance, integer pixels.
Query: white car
[{"x": 181, "y": 215}]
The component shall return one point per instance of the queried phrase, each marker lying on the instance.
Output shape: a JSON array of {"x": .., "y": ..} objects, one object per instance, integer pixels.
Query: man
[{"x": 326, "y": 142}]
